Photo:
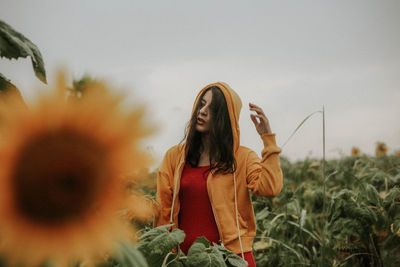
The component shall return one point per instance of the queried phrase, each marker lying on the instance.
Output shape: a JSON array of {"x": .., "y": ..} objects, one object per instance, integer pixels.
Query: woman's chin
[{"x": 201, "y": 128}]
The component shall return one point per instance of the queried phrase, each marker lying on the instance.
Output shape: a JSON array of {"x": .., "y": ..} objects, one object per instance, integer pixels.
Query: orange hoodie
[{"x": 228, "y": 193}]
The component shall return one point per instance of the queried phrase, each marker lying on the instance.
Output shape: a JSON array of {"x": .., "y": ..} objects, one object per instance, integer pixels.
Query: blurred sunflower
[
  {"x": 398, "y": 153},
  {"x": 355, "y": 151},
  {"x": 380, "y": 149},
  {"x": 62, "y": 169}
]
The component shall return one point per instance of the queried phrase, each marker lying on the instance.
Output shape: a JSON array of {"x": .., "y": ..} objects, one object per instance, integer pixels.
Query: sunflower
[
  {"x": 63, "y": 169},
  {"x": 355, "y": 151},
  {"x": 380, "y": 149}
]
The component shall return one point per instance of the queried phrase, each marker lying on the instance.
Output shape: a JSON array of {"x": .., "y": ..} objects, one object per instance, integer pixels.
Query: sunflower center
[{"x": 58, "y": 177}]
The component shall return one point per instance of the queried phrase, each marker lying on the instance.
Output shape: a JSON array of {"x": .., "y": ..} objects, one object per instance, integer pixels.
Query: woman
[{"x": 202, "y": 184}]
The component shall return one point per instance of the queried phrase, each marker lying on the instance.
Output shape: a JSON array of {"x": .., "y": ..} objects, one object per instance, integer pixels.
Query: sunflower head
[
  {"x": 380, "y": 149},
  {"x": 62, "y": 175},
  {"x": 355, "y": 151}
]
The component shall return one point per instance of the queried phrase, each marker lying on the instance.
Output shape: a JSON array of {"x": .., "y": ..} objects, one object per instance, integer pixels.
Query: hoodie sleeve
[
  {"x": 264, "y": 177},
  {"x": 164, "y": 191}
]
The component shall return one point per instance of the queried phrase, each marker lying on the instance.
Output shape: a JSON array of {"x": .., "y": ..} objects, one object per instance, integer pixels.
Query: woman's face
[{"x": 203, "y": 115}]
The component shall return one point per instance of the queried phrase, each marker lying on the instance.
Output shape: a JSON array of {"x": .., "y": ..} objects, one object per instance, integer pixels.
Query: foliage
[
  {"x": 80, "y": 86},
  {"x": 7, "y": 89},
  {"x": 126, "y": 255},
  {"x": 5, "y": 84},
  {"x": 359, "y": 226},
  {"x": 157, "y": 243},
  {"x": 159, "y": 248},
  {"x": 14, "y": 45},
  {"x": 201, "y": 253}
]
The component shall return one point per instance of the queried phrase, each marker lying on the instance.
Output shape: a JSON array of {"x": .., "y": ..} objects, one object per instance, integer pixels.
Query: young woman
[{"x": 203, "y": 184}]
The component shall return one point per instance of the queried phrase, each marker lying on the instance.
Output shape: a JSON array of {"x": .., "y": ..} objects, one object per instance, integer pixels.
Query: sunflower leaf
[
  {"x": 204, "y": 241},
  {"x": 261, "y": 215},
  {"x": 14, "y": 45},
  {"x": 231, "y": 259},
  {"x": 7, "y": 88},
  {"x": 5, "y": 84},
  {"x": 126, "y": 255},
  {"x": 391, "y": 197},
  {"x": 202, "y": 254},
  {"x": 158, "y": 242},
  {"x": 133, "y": 257},
  {"x": 197, "y": 256}
]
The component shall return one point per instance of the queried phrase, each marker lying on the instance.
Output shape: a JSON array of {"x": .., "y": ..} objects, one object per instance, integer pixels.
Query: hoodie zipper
[{"x": 212, "y": 207}]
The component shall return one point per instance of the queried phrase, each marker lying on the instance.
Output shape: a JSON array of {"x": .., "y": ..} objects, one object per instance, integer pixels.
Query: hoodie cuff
[{"x": 270, "y": 142}]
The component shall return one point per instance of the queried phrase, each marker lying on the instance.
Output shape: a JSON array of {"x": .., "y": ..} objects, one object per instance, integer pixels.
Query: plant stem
[
  {"x": 324, "y": 180},
  {"x": 323, "y": 156}
]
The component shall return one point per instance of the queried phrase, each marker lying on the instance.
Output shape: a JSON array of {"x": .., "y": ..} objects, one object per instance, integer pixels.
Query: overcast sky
[{"x": 289, "y": 57}]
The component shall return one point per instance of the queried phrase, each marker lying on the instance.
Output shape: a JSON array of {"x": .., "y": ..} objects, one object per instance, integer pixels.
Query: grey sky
[{"x": 290, "y": 57}]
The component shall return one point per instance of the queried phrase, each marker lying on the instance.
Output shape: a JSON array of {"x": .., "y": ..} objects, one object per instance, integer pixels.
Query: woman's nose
[{"x": 203, "y": 111}]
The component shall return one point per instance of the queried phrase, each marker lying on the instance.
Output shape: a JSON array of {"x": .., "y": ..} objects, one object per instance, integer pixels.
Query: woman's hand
[{"x": 260, "y": 120}]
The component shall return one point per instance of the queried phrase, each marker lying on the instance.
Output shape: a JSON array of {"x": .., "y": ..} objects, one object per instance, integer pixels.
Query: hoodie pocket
[{"x": 243, "y": 225}]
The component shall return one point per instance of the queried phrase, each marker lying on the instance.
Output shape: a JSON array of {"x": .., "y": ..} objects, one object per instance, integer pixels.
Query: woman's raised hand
[{"x": 259, "y": 119}]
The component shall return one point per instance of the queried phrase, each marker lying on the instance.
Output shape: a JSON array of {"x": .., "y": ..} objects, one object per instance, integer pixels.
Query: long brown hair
[{"x": 220, "y": 135}]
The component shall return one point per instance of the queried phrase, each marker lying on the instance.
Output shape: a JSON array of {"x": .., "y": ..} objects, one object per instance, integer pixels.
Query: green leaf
[
  {"x": 196, "y": 248},
  {"x": 261, "y": 215},
  {"x": 200, "y": 255},
  {"x": 289, "y": 248},
  {"x": 158, "y": 242},
  {"x": 370, "y": 194},
  {"x": 231, "y": 259},
  {"x": 197, "y": 256},
  {"x": 305, "y": 230},
  {"x": 217, "y": 258},
  {"x": 7, "y": 88},
  {"x": 153, "y": 233},
  {"x": 5, "y": 84},
  {"x": 391, "y": 197},
  {"x": 126, "y": 255},
  {"x": 131, "y": 256},
  {"x": 203, "y": 240},
  {"x": 236, "y": 262},
  {"x": 14, "y": 45},
  {"x": 176, "y": 264}
]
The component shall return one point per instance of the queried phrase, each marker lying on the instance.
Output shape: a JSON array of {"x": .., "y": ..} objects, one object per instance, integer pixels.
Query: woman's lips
[{"x": 200, "y": 121}]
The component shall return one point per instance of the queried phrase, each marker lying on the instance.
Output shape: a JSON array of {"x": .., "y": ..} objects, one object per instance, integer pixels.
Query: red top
[{"x": 196, "y": 217}]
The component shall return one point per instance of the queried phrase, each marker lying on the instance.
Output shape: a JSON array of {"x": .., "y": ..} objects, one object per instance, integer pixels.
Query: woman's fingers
[
  {"x": 253, "y": 105},
  {"x": 256, "y": 109},
  {"x": 254, "y": 119},
  {"x": 259, "y": 119},
  {"x": 261, "y": 122}
]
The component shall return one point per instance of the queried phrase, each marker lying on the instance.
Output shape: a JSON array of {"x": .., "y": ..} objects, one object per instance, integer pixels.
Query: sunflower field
[{"x": 349, "y": 217}]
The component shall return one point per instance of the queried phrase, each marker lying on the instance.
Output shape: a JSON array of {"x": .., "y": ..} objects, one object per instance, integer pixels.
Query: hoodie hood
[{"x": 234, "y": 106}]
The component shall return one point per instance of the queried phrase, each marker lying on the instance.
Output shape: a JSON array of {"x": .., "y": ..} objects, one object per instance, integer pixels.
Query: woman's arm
[
  {"x": 164, "y": 191},
  {"x": 264, "y": 177}
]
